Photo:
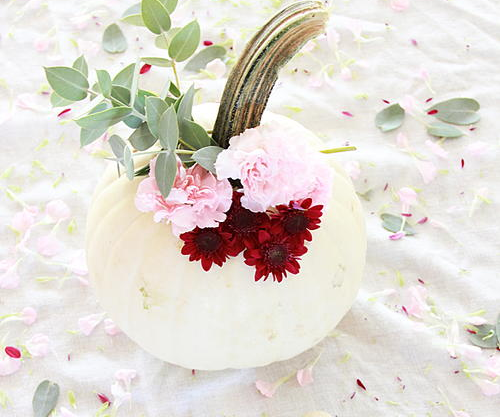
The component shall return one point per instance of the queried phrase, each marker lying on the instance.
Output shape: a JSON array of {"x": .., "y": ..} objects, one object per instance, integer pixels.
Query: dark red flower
[
  {"x": 274, "y": 253},
  {"x": 242, "y": 223},
  {"x": 297, "y": 220},
  {"x": 13, "y": 352},
  {"x": 209, "y": 245}
]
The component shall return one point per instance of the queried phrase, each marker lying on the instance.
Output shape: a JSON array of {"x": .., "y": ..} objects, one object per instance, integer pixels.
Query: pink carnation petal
[
  {"x": 88, "y": 323},
  {"x": 305, "y": 376},
  {"x": 28, "y": 315},
  {"x": 49, "y": 245},
  {"x": 9, "y": 365},
  {"x": 57, "y": 210},
  {"x": 265, "y": 388},
  {"x": 487, "y": 387},
  {"x": 111, "y": 328},
  {"x": 38, "y": 345}
]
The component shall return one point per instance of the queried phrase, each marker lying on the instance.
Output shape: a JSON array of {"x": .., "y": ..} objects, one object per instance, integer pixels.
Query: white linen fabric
[{"x": 434, "y": 48}]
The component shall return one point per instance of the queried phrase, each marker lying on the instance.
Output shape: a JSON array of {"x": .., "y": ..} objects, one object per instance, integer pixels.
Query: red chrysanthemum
[
  {"x": 209, "y": 245},
  {"x": 274, "y": 253},
  {"x": 297, "y": 220},
  {"x": 242, "y": 223}
]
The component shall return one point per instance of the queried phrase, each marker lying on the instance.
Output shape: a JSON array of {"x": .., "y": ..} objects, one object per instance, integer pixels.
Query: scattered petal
[
  {"x": 397, "y": 236},
  {"x": 38, "y": 345},
  {"x": 353, "y": 169},
  {"x": 423, "y": 220},
  {"x": 88, "y": 323},
  {"x": 28, "y": 315},
  {"x": 428, "y": 171},
  {"x": 9, "y": 365},
  {"x": 103, "y": 398},
  {"x": 125, "y": 376},
  {"x": 305, "y": 376},
  {"x": 265, "y": 388},
  {"x": 360, "y": 384},
  {"x": 63, "y": 112},
  {"x": 49, "y": 245},
  {"x": 111, "y": 328},
  {"x": 348, "y": 114},
  {"x": 145, "y": 68},
  {"x": 13, "y": 352},
  {"x": 400, "y": 5},
  {"x": 487, "y": 387},
  {"x": 436, "y": 149},
  {"x": 207, "y": 43},
  {"x": 57, "y": 210}
]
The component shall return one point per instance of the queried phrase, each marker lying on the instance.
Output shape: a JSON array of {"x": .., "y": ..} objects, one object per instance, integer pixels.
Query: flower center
[
  {"x": 208, "y": 241},
  {"x": 276, "y": 254},
  {"x": 243, "y": 221},
  {"x": 296, "y": 223}
]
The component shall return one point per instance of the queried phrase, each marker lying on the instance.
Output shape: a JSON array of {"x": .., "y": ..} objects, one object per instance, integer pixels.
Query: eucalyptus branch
[{"x": 134, "y": 111}]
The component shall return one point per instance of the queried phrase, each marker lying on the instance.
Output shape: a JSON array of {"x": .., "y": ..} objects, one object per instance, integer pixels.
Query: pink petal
[
  {"x": 348, "y": 114},
  {"x": 125, "y": 376},
  {"x": 57, "y": 210},
  {"x": 407, "y": 196},
  {"x": 28, "y": 315},
  {"x": 353, "y": 169},
  {"x": 402, "y": 141},
  {"x": 10, "y": 279},
  {"x": 265, "y": 388},
  {"x": 9, "y": 365},
  {"x": 88, "y": 323},
  {"x": 478, "y": 148},
  {"x": 436, "y": 149},
  {"x": 428, "y": 171},
  {"x": 49, "y": 245},
  {"x": 38, "y": 345},
  {"x": 23, "y": 220},
  {"x": 111, "y": 328},
  {"x": 400, "y": 5},
  {"x": 79, "y": 264},
  {"x": 397, "y": 236},
  {"x": 66, "y": 413},
  {"x": 476, "y": 321},
  {"x": 487, "y": 387},
  {"x": 305, "y": 376}
]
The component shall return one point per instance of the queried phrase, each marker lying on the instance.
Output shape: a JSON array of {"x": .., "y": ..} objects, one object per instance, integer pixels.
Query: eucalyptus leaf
[
  {"x": 57, "y": 101},
  {"x": 185, "y": 106},
  {"x": 165, "y": 172},
  {"x": 459, "y": 111},
  {"x": 104, "y": 119},
  {"x": 80, "y": 64},
  {"x": 68, "y": 83},
  {"x": 132, "y": 15},
  {"x": 128, "y": 163},
  {"x": 174, "y": 90},
  {"x": 120, "y": 96},
  {"x": 104, "y": 80},
  {"x": 205, "y": 56},
  {"x": 155, "y": 107},
  {"x": 163, "y": 41},
  {"x": 393, "y": 223},
  {"x": 113, "y": 40},
  {"x": 170, "y": 5},
  {"x": 142, "y": 139},
  {"x": 125, "y": 76},
  {"x": 185, "y": 42},
  {"x": 100, "y": 107},
  {"x": 194, "y": 134},
  {"x": 486, "y": 337},
  {"x": 442, "y": 130},
  {"x": 132, "y": 121},
  {"x": 168, "y": 130},
  {"x": 207, "y": 156},
  {"x": 159, "y": 62},
  {"x": 390, "y": 118},
  {"x": 140, "y": 100},
  {"x": 118, "y": 146},
  {"x": 87, "y": 136},
  {"x": 155, "y": 16},
  {"x": 45, "y": 398}
]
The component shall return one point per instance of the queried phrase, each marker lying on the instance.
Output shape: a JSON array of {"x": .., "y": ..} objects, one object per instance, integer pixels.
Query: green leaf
[
  {"x": 393, "y": 223},
  {"x": 104, "y": 119},
  {"x": 195, "y": 135},
  {"x": 104, "y": 80},
  {"x": 128, "y": 163},
  {"x": 125, "y": 76},
  {"x": 120, "y": 96},
  {"x": 390, "y": 118},
  {"x": 159, "y": 62},
  {"x": 459, "y": 111},
  {"x": 155, "y": 16},
  {"x": 168, "y": 129},
  {"x": 57, "y": 101},
  {"x": 132, "y": 15},
  {"x": 155, "y": 107},
  {"x": 207, "y": 156},
  {"x": 185, "y": 106},
  {"x": 87, "y": 136},
  {"x": 132, "y": 121},
  {"x": 185, "y": 42},
  {"x": 170, "y": 5},
  {"x": 202, "y": 58},
  {"x": 163, "y": 41},
  {"x": 442, "y": 130},
  {"x": 118, "y": 146},
  {"x": 113, "y": 40},
  {"x": 45, "y": 398},
  {"x": 81, "y": 65},
  {"x": 174, "y": 90},
  {"x": 72, "y": 399},
  {"x": 486, "y": 337},
  {"x": 140, "y": 100},
  {"x": 165, "y": 172},
  {"x": 68, "y": 83},
  {"x": 142, "y": 139}
]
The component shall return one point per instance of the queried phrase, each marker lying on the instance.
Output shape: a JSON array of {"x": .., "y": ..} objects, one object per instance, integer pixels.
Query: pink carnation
[
  {"x": 197, "y": 198},
  {"x": 275, "y": 165}
]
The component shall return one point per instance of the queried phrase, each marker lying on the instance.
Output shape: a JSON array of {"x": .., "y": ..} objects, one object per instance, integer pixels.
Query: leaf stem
[
  {"x": 174, "y": 68},
  {"x": 187, "y": 145},
  {"x": 338, "y": 150}
]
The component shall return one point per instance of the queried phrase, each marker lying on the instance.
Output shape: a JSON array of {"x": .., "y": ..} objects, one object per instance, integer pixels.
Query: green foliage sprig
[{"x": 162, "y": 124}]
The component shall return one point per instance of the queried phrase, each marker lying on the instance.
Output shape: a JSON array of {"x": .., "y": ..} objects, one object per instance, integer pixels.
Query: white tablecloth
[{"x": 435, "y": 48}]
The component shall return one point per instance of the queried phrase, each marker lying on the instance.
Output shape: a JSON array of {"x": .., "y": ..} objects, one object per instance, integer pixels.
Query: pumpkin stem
[{"x": 253, "y": 77}]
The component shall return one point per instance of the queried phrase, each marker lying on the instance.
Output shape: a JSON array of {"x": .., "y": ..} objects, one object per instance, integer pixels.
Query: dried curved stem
[{"x": 254, "y": 75}]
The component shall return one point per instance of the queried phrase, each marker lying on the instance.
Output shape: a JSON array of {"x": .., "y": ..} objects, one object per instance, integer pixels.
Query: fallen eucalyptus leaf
[
  {"x": 442, "y": 130},
  {"x": 390, "y": 118},
  {"x": 45, "y": 398},
  {"x": 393, "y": 223},
  {"x": 459, "y": 111},
  {"x": 485, "y": 337},
  {"x": 113, "y": 40}
]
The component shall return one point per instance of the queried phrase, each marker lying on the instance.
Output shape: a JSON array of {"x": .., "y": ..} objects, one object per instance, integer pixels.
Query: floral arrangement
[{"x": 260, "y": 192}]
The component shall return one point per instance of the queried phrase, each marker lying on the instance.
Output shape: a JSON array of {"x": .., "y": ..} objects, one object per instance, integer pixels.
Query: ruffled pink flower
[
  {"x": 88, "y": 323},
  {"x": 49, "y": 245},
  {"x": 9, "y": 365},
  {"x": 305, "y": 376},
  {"x": 264, "y": 158},
  {"x": 28, "y": 315},
  {"x": 57, "y": 210},
  {"x": 111, "y": 328},
  {"x": 38, "y": 345},
  {"x": 400, "y": 5},
  {"x": 197, "y": 199}
]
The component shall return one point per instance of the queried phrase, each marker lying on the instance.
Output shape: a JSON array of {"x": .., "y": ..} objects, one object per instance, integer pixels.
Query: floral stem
[
  {"x": 187, "y": 145},
  {"x": 176, "y": 75},
  {"x": 338, "y": 150}
]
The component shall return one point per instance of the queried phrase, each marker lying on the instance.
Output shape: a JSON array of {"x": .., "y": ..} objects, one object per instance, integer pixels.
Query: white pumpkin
[{"x": 221, "y": 318}]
